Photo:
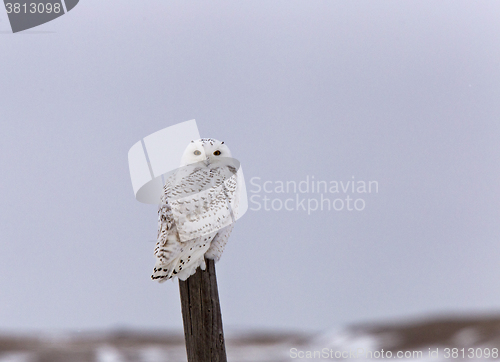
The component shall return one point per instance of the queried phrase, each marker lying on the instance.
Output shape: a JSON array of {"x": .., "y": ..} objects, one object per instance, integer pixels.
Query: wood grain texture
[{"x": 202, "y": 316}]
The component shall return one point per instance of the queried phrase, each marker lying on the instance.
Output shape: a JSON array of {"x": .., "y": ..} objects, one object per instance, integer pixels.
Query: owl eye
[
  {"x": 197, "y": 152},
  {"x": 217, "y": 153}
]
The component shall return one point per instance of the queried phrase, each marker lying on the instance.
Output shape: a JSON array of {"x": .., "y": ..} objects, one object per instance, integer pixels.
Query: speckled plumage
[{"x": 197, "y": 210}]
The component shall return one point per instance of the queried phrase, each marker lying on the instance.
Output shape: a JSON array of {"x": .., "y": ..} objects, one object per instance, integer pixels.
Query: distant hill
[{"x": 420, "y": 339}]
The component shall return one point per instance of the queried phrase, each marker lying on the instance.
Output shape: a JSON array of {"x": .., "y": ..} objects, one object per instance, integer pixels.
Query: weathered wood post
[{"x": 202, "y": 316}]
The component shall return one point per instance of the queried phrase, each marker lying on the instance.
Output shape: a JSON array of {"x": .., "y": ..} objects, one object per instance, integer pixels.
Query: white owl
[{"x": 197, "y": 210}]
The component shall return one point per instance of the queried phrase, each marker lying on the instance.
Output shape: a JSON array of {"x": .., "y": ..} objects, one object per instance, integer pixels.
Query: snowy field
[{"x": 444, "y": 339}]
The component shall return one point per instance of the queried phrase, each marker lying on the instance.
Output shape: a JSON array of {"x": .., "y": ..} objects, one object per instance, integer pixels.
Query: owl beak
[{"x": 207, "y": 162}]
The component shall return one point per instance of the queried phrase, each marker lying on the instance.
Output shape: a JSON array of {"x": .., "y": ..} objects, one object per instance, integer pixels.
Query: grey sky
[{"x": 404, "y": 93}]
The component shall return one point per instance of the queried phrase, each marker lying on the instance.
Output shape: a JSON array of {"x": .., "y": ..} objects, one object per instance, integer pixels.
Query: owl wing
[
  {"x": 173, "y": 256},
  {"x": 219, "y": 243},
  {"x": 168, "y": 245},
  {"x": 205, "y": 209},
  {"x": 193, "y": 211}
]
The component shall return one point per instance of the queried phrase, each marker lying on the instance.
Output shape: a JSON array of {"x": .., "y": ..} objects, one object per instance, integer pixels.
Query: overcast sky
[{"x": 402, "y": 93}]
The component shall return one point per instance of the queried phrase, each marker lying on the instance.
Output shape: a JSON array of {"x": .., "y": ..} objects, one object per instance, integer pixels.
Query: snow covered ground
[{"x": 436, "y": 340}]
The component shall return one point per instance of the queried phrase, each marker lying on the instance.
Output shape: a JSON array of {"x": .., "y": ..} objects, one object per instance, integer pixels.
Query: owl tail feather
[{"x": 182, "y": 267}]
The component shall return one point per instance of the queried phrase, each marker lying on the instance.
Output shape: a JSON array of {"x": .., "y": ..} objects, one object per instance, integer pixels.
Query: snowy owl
[{"x": 197, "y": 210}]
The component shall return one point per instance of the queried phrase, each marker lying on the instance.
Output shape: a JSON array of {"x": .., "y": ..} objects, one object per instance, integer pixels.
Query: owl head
[{"x": 207, "y": 150}]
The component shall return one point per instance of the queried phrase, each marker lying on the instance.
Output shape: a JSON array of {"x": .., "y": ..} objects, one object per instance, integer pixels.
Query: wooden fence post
[{"x": 202, "y": 316}]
